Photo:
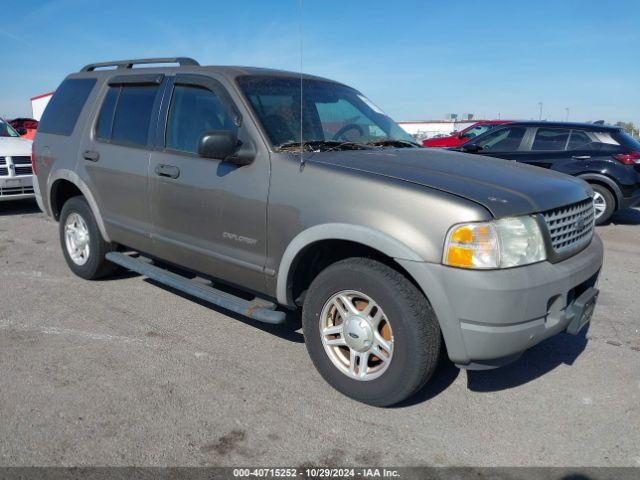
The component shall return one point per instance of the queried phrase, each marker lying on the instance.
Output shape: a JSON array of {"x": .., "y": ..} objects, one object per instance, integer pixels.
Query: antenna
[{"x": 301, "y": 5}]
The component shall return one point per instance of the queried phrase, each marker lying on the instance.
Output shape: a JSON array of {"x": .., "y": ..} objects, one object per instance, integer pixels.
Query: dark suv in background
[{"x": 605, "y": 156}]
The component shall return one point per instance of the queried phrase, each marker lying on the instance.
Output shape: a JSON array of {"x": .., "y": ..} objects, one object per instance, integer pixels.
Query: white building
[{"x": 38, "y": 104}]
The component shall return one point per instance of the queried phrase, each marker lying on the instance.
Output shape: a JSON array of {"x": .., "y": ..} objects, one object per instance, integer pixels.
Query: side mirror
[
  {"x": 224, "y": 145},
  {"x": 471, "y": 147}
]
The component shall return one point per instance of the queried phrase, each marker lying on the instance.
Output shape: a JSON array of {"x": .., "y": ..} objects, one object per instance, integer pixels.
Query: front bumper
[
  {"x": 16, "y": 188},
  {"x": 488, "y": 318}
]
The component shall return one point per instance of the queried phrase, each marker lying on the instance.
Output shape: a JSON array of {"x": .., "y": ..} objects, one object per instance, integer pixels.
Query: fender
[
  {"x": 337, "y": 231},
  {"x": 73, "y": 177},
  {"x": 606, "y": 180}
]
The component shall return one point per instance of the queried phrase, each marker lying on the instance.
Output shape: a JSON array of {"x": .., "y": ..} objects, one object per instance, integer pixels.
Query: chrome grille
[
  {"x": 570, "y": 227},
  {"x": 4, "y": 171},
  {"x": 3, "y": 160},
  {"x": 22, "y": 170},
  {"x": 21, "y": 160},
  {"x": 15, "y": 190}
]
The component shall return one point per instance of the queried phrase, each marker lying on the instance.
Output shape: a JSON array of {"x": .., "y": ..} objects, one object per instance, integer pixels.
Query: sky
[{"x": 415, "y": 59}]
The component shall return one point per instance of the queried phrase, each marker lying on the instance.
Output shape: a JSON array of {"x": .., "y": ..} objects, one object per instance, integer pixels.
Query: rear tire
[
  {"x": 414, "y": 344},
  {"x": 82, "y": 244},
  {"x": 604, "y": 203}
]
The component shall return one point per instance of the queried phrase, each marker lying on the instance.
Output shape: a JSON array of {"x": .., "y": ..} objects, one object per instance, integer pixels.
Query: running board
[{"x": 261, "y": 311}]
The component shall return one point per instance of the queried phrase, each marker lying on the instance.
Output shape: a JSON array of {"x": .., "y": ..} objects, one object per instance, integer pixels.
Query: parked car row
[
  {"x": 301, "y": 193},
  {"x": 458, "y": 138},
  {"x": 606, "y": 157}
]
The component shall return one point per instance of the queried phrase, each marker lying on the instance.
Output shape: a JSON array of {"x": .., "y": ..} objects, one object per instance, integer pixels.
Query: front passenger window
[
  {"x": 503, "y": 140},
  {"x": 193, "y": 112}
]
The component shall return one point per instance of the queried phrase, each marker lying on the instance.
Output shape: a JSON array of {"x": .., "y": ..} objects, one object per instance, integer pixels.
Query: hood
[
  {"x": 14, "y": 147},
  {"x": 503, "y": 187}
]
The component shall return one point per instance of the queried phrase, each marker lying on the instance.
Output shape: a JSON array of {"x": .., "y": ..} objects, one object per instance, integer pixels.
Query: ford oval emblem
[{"x": 580, "y": 224}]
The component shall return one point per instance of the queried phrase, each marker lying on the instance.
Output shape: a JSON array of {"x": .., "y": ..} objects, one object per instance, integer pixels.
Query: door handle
[
  {"x": 91, "y": 155},
  {"x": 169, "y": 171},
  {"x": 582, "y": 157}
]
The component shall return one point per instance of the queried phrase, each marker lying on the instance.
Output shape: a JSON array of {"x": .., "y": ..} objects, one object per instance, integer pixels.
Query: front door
[
  {"x": 208, "y": 215},
  {"x": 504, "y": 142}
]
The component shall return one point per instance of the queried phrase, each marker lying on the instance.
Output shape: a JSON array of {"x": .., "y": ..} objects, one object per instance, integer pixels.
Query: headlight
[{"x": 504, "y": 243}]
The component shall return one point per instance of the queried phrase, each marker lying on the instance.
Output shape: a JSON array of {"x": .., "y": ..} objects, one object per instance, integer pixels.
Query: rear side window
[
  {"x": 125, "y": 115},
  {"x": 194, "y": 111},
  {"x": 579, "y": 140},
  {"x": 550, "y": 139},
  {"x": 133, "y": 115},
  {"x": 593, "y": 141},
  {"x": 105, "y": 120},
  {"x": 64, "y": 108}
]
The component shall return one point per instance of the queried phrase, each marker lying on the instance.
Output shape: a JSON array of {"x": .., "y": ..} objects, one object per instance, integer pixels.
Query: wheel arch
[
  {"x": 359, "y": 238},
  {"x": 62, "y": 179},
  {"x": 605, "y": 181}
]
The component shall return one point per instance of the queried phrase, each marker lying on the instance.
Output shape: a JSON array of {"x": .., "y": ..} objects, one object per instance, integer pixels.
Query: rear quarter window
[{"x": 64, "y": 108}]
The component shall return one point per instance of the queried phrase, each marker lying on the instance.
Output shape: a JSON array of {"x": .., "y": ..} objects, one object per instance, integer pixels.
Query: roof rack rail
[{"x": 122, "y": 64}]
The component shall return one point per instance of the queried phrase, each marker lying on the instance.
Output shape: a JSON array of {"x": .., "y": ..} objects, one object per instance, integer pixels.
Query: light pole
[
  {"x": 540, "y": 105},
  {"x": 567, "y": 116}
]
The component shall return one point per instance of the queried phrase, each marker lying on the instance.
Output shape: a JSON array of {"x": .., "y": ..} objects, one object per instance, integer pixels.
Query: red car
[
  {"x": 26, "y": 127},
  {"x": 463, "y": 136}
]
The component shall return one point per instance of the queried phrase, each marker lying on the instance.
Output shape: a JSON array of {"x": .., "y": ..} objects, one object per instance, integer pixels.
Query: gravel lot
[{"x": 123, "y": 372}]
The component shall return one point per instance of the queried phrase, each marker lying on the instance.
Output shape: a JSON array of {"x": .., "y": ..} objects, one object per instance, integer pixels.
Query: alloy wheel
[
  {"x": 356, "y": 335},
  {"x": 599, "y": 204},
  {"x": 76, "y": 237}
]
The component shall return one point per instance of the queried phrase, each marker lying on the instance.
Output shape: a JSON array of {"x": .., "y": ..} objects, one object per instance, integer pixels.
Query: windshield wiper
[
  {"x": 394, "y": 143},
  {"x": 320, "y": 146}
]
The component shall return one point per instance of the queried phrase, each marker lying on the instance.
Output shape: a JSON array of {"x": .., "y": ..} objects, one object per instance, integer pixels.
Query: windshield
[
  {"x": 330, "y": 113},
  {"x": 6, "y": 130}
]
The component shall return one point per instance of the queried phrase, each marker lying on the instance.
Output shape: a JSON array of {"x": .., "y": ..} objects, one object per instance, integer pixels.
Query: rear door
[
  {"x": 116, "y": 156},
  {"x": 569, "y": 150},
  {"x": 546, "y": 147},
  {"x": 208, "y": 215},
  {"x": 593, "y": 150}
]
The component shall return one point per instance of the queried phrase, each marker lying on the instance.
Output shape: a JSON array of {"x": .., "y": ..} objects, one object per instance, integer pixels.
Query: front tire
[
  {"x": 603, "y": 202},
  {"x": 370, "y": 332},
  {"x": 82, "y": 244}
]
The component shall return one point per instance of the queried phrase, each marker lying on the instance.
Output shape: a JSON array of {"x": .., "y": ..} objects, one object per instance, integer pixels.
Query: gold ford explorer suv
[{"x": 302, "y": 193}]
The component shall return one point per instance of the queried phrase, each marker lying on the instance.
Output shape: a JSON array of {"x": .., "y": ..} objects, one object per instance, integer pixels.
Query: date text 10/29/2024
[{"x": 316, "y": 472}]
